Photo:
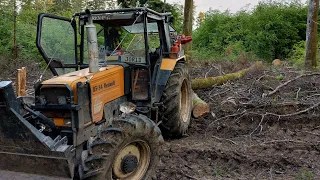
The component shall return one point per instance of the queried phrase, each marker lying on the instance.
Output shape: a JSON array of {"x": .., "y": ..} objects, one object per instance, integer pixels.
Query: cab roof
[{"x": 125, "y": 16}]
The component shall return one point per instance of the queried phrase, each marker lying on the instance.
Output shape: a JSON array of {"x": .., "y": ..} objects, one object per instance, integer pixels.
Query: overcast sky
[{"x": 232, "y": 5}]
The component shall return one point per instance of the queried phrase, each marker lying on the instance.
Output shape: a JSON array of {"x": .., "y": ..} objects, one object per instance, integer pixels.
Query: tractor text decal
[{"x": 103, "y": 86}]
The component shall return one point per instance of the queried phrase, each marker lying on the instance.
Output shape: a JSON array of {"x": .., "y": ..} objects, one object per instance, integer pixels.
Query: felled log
[
  {"x": 200, "y": 107},
  {"x": 200, "y": 83}
]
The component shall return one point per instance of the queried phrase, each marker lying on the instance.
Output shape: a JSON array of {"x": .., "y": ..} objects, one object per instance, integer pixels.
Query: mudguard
[{"x": 162, "y": 74}]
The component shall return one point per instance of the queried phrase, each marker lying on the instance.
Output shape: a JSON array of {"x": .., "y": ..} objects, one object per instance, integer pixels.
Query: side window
[
  {"x": 56, "y": 42},
  {"x": 154, "y": 41}
]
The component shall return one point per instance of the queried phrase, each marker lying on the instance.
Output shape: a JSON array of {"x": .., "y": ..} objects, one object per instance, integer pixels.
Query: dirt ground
[{"x": 250, "y": 134}]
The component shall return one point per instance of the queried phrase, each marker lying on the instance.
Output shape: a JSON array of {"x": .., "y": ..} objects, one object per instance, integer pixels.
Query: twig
[
  {"x": 188, "y": 176},
  {"x": 220, "y": 70},
  {"x": 220, "y": 93},
  {"x": 225, "y": 117},
  {"x": 313, "y": 95},
  {"x": 265, "y": 75},
  {"x": 278, "y": 141},
  {"x": 221, "y": 139},
  {"x": 297, "y": 96},
  {"x": 243, "y": 114},
  {"x": 205, "y": 76},
  {"x": 259, "y": 125},
  {"x": 288, "y": 82},
  {"x": 312, "y": 133},
  {"x": 285, "y": 140},
  {"x": 288, "y": 115},
  {"x": 280, "y": 115},
  {"x": 299, "y": 112},
  {"x": 316, "y": 128}
]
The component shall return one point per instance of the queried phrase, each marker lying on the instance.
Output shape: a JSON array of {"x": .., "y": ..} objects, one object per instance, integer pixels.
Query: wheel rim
[
  {"x": 184, "y": 101},
  {"x": 132, "y": 161}
]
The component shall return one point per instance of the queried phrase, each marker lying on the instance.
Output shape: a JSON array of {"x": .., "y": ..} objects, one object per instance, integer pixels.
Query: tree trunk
[
  {"x": 312, "y": 35},
  {"x": 200, "y": 83},
  {"x": 200, "y": 107},
  {"x": 15, "y": 48},
  {"x": 187, "y": 26}
]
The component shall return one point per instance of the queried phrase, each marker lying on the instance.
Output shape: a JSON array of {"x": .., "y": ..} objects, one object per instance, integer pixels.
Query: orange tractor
[{"x": 118, "y": 88}]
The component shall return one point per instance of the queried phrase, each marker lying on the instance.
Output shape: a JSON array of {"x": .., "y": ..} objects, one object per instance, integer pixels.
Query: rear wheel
[
  {"x": 127, "y": 150},
  {"x": 177, "y": 103}
]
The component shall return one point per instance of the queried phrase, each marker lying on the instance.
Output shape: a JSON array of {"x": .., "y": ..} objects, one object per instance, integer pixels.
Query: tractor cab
[
  {"x": 138, "y": 37},
  {"x": 134, "y": 36}
]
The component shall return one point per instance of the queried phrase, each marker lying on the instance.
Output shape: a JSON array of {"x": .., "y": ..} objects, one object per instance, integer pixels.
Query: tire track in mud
[{"x": 280, "y": 153}]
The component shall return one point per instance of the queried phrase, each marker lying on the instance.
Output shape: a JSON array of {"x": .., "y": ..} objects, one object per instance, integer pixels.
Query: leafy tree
[
  {"x": 200, "y": 18},
  {"x": 96, "y": 4},
  {"x": 159, "y": 6},
  {"x": 269, "y": 31},
  {"x": 78, "y": 5},
  {"x": 129, "y": 3},
  {"x": 60, "y": 6}
]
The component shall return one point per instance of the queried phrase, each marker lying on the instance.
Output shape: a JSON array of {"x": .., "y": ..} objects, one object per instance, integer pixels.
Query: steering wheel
[
  {"x": 115, "y": 53},
  {"x": 129, "y": 53}
]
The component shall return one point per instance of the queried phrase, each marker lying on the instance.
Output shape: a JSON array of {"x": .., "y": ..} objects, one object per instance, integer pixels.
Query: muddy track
[
  {"x": 278, "y": 153},
  {"x": 236, "y": 144}
]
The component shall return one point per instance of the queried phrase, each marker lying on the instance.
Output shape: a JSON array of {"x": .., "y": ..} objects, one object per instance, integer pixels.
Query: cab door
[{"x": 57, "y": 43}]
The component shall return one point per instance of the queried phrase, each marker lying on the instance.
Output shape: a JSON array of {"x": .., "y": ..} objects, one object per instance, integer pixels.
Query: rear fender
[{"x": 162, "y": 74}]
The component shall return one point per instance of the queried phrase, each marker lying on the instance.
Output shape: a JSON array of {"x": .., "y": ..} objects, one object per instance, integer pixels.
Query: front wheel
[
  {"x": 175, "y": 113},
  {"x": 127, "y": 150}
]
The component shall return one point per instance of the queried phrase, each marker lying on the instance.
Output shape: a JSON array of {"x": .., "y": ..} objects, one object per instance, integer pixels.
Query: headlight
[
  {"x": 62, "y": 100},
  {"x": 67, "y": 122}
]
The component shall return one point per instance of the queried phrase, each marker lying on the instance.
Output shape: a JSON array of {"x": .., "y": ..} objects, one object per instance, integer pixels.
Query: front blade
[{"x": 24, "y": 149}]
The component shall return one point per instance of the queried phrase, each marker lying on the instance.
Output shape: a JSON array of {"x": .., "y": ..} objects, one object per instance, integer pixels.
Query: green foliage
[
  {"x": 280, "y": 77},
  {"x": 297, "y": 54},
  {"x": 269, "y": 31},
  {"x": 27, "y": 17},
  {"x": 159, "y": 6},
  {"x": 304, "y": 175}
]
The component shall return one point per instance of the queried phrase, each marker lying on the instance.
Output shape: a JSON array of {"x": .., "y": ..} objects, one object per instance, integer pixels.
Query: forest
[{"x": 271, "y": 30}]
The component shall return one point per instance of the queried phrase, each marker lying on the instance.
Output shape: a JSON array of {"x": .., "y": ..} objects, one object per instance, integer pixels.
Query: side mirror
[{"x": 170, "y": 19}]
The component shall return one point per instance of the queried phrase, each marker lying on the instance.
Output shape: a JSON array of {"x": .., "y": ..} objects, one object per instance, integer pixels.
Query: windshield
[{"x": 126, "y": 43}]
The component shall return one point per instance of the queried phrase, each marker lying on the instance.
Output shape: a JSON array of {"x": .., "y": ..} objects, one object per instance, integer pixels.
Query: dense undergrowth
[{"x": 271, "y": 30}]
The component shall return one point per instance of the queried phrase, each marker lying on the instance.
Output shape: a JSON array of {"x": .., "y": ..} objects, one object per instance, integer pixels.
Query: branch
[
  {"x": 225, "y": 117},
  {"x": 222, "y": 139},
  {"x": 200, "y": 83},
  {"x": 288, "y": 82}
]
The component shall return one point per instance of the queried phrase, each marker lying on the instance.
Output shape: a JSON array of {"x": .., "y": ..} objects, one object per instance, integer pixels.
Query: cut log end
[
  {"x": 200, "y": 107},
  {"x": 200, "y": 110}
]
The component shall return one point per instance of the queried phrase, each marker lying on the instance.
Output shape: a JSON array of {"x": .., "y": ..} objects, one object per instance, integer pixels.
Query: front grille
[
  {"x": 54, "y": 96},
  {"x": 2, "y": 99}
]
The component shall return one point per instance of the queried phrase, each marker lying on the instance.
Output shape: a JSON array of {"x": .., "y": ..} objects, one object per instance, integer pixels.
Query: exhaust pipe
[{"x": 93, "y": 51}]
